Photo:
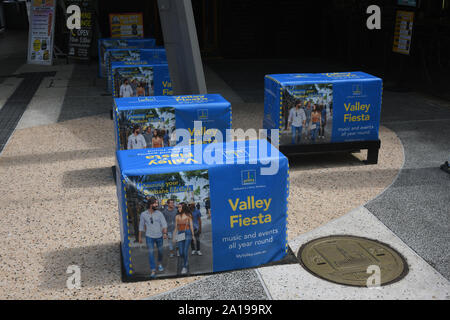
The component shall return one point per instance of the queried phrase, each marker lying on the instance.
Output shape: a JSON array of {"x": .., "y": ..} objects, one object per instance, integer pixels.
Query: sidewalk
[
  {"x": 173, "y": 265},
  {"x": 59, "y": 204},
  {"x": 415, "y": 207}
]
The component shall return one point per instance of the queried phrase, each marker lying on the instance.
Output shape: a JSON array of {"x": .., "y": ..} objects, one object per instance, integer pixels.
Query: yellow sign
[
  {"x": 403, "y": 32},
  {"x": 44, "y": 3},
  {"x": 126, "y": 25},
  {"x": 36, "y": 45}
]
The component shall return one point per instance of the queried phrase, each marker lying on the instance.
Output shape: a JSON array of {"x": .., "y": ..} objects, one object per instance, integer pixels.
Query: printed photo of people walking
[
  {"x": 147, "y": 128},
  {"x": 170, "y": 226},
  {"x": 307, "y": 114},
  {"x": 133, "y": 81}
]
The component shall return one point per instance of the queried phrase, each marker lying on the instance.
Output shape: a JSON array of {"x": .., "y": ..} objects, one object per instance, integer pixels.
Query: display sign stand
[
  {"x": 41, "y": 32},
  {"x": 401, "y": 46},
  {"x": 372, "y": 147},
  {"x": 290, "y": 258},
  {"x": 123, "y": 273},
  {"x": 80, "y": 40},
  {"x": 138, "y": 278}
]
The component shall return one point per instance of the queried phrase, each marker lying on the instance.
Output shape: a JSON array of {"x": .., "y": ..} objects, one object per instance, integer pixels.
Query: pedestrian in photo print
[
  {"x": 153, "y": 225},
  {"x": 197, "y": 224},
  {"x": 297, "y": 120},
  {"x": 324, "y": 121},
  {"x": 140, "y": 90},
  {"x": 157, "y": 140},
  {"x": 184, "y": 233},
  {"x": 170, "y": 212},
  {"x": 136, "y": 140},
  {"x": 148, "y": 135},
  {"x": 126, "y": 90},
  {"x": 316, "y": 117}
]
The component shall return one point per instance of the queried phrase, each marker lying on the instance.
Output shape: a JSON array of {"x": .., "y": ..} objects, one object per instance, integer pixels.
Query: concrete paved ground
[
  {"x": 63, "y": 208},
  {"x": 223, "y": 286},
  {"x": 66, "y": 186},
  {"x": 173, "y": 265},
  {"x": 417, "y": 206},
  {"x": 86, "y": 94},
  {"x": 294, "y": 282}
]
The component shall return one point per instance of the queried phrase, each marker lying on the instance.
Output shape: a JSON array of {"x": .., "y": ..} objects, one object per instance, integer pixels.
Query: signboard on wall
[
  {"x": 403, "y": 32},
  {"x": 40, "y": 36},
  {"x": 410, "y": 3},
  {"x": 126, "y": 25},
  {"x": 80, "y": 40}
]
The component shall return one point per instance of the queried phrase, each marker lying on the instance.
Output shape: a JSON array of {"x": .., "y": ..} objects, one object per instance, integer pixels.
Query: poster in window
[{"x": 126, "y": 25}]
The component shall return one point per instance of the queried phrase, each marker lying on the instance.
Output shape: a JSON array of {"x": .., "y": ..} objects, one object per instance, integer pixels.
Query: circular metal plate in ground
[{"x": 345, "y": 260}]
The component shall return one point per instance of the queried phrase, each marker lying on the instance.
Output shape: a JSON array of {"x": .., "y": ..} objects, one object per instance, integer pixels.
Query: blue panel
[
  {"x": 155, "y": 77},
  {"x": 248, "y": 207},
  {"x": 323, "y": 108},
  {"x": 173, "y": 112},
  {"x": 105, "y": 43}
]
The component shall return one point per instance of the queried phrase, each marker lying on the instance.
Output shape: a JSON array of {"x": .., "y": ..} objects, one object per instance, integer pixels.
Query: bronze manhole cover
[{"x": 351, "y": 260}]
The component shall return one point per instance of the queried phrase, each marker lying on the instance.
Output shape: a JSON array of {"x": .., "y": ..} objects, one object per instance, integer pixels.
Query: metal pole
[{"x": 182, "y": 49}]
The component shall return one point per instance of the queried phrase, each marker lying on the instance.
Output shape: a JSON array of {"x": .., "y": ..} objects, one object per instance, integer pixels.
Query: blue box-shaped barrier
[
  {"x": 137, "y": 56},
  {"x": 131, "y": 79},
  {"x": 238, "y": 211},
  {"x": 161, "y": 115},
  {"x": 105, "y": 43},
  {"x": 323, "y": 108}
]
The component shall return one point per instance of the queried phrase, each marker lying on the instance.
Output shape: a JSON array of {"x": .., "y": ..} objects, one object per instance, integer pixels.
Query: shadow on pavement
[
  {"x": 85, "y": 178},
  {"x": 99, "y": 265},
  {"x": 55, "y": 157}
]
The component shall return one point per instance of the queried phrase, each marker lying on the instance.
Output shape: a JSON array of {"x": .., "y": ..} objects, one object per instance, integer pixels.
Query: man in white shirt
[
  {"x": 154, "y": 225},
  {"x": 125, "y": 90},
  {"x": 297, "y": 119},
  {"x": 136, "y": 140}
]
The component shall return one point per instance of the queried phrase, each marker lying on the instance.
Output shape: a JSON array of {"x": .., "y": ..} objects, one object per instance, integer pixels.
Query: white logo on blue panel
[
  {"x": 357, "y": 89},
  {"x": 146, "y": 99},
  {"x": 248, "y": 177},
  {"x": 202, "y": 114}
]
